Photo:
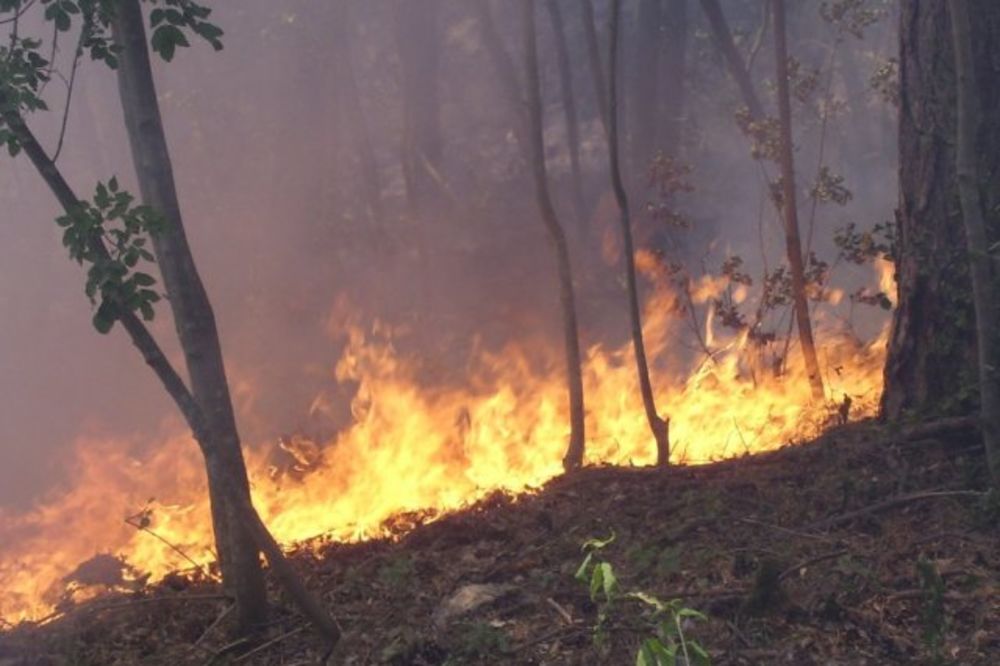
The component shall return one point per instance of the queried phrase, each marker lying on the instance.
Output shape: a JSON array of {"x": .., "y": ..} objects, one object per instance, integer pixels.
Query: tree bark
[
  {"x": 154, "y": 357},
  {"x": 737, "y": 68},
  {"x": 557, "y": 237},
  {"x": 350, "y": 96},
  {"x": 569, "y": 110},
  {"x": 789, "y": 207},
  {"x": 506, "y": 73},
  {"x": 416, "y": 29},
  {"x": 931, "y": 364},
  {"x": 982, "y": 268},
  {"x": 658, "y": 426},
  {"x": 594, "y": 61}
]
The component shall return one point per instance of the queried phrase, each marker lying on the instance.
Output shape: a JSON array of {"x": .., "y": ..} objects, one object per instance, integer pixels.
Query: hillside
[{"x": 866, "y": 546}]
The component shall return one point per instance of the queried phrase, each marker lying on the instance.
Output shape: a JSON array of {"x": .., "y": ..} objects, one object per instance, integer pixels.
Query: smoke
[{"x": 268, "y": 158}]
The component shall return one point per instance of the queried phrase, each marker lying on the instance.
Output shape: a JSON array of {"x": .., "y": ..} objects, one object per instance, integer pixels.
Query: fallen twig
[
  {"x": 890, "y": 504},
  {"x": 263, "y": 646}
]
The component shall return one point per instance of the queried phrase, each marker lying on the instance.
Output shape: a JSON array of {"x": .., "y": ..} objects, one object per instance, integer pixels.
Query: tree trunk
[
  {"x": 982, "y": 268},
  {"x": 349, "y": 95},
  {"x": 506, "y": 73},
  {"x": 574, "y": 378},
  {"x": 737, "y": 68},
  {"x": 418, "y": 44},
  {"x": 569, "y": 110},
  {"x": 193, "y": 317},
  {"x": 594, "y": 61},
  {"x": 789, "y": 207},
  {"x": 931, "y": 365},
  {"x": 659, "y": 427},
  {"x": 673, "y": 100}
]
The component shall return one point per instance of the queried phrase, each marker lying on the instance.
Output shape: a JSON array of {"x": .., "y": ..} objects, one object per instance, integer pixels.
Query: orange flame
[{"x": 416, "y": 447}]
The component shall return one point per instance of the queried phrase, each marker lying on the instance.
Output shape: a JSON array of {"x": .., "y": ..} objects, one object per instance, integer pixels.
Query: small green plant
[
  {"x": 669, "y": 646},
  {"x": 933, "y": 616}
]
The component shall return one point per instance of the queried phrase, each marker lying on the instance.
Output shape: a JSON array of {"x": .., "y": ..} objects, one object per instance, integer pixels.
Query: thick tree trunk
[
  {"x": 789, "y": 206},
  {"x": 931, "y": 365},
  {"x": 569, "y": 110},
  {"x": 982, "y": 267},
  {"x": 416, "y": 29},
  {"x": 574, "y": 378},
  {"x": 658, "y": 426}
]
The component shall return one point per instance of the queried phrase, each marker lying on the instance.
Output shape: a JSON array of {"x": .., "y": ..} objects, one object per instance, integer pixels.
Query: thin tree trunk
[
  {"x": 659, "y": 427},
  {"x": 569, "y": 110},
  {"x": 737, "y": 68},
  {"x": 981, "y": 267},
  {"x": 154, "y": 357},
  {"x": 240, "y": 536},
  {"x": 790, "y": 207},
  {"x": 594, "y": 61},
  {"x": 574, "y": 378}
]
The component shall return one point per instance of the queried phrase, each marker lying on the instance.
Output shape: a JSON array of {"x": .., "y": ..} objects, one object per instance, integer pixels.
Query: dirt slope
[{"x": 868, "y": 546}]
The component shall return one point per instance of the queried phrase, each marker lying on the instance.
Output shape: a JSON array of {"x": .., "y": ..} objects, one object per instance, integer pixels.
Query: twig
[
  {"x": 891, "y": 504},
  {"x": 811, "y": 561},
  {"x": 785, "y": 530},
  {"x": 145, "y": 528},
  {"x": 560, "y": 609},
  {"x": 228, "y": 609},
  {"x": 260, "y": 648}
]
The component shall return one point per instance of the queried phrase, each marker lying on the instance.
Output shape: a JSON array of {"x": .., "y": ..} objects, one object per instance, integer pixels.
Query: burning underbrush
[{"x": 414, "y": 446}]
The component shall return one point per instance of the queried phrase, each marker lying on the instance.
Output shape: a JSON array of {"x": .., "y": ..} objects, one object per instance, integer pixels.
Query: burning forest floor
[{"x": 869, "y": 545}]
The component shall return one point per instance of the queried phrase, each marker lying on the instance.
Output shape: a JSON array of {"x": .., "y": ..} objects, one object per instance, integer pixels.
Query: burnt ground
[{"x": 868, "y": 546}]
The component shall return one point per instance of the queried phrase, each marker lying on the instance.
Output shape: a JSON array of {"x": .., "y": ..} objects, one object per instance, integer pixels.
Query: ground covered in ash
[{"x": 868, "y": 546}]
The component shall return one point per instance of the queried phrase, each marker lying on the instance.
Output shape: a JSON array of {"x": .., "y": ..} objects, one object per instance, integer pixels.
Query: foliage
[
  {"x": 669, "y": 645},
  {"x": 110, "y": 234}
]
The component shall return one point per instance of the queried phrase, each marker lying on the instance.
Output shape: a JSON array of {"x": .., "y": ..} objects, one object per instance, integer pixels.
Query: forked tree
[
  {"x": 557, "y": 238},
  {"x": 660, "y": 427},
  {"x": 108, "y": 235}
]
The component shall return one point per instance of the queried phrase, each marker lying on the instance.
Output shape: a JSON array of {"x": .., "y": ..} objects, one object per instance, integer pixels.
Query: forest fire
[{"x": 415, "y": 447}]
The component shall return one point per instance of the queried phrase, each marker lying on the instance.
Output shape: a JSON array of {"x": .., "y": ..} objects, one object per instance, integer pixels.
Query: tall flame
[{"x": 417, "y": 447}]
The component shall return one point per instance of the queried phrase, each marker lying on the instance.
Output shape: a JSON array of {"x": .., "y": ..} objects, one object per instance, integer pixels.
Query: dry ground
[{"x": 808, "y": 555}]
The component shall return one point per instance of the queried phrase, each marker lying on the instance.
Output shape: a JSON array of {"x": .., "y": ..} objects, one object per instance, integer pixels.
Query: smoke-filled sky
[{"x": 267, "y": 151}]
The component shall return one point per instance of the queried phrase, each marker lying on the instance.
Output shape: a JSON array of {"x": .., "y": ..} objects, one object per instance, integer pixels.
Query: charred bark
[
  {"x": 931, "y": 365},
  {"x": 658, "y": 426},
  {"x": 789, "y": 206},
  {"x": 982, "y": 266},
  {"x": 557, "y": 237}
]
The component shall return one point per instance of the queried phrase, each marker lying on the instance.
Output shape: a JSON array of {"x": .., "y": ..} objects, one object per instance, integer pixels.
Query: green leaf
[
  {"x": 699, "y": 656},
  {"x": 144, "y": 280},
  {"x": 597, "y": 544},
  {"x": 156, "y": 17},
  {"x": 596, "y": 582},
  {"x": 147, "y": 311},
  {"x": 581, "y": 573},
  {"x": 609, "y": 580},
  {"x": 104, "y": 318}
]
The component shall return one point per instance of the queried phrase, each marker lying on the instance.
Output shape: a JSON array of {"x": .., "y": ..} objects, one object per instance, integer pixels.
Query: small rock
[{"x": 468, "y": 598}]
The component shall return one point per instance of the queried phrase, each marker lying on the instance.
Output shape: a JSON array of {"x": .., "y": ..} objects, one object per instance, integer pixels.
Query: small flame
[{"x": 414, "y": 447}]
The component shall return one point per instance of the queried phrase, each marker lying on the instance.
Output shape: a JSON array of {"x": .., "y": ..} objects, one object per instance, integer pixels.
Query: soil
[{"x": 870, "y": 545}]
